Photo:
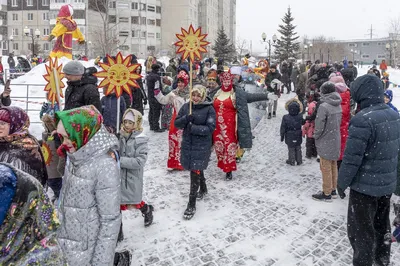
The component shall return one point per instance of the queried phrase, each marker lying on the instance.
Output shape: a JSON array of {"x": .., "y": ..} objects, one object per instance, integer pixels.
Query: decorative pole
[{"x": 54, "y": 84}]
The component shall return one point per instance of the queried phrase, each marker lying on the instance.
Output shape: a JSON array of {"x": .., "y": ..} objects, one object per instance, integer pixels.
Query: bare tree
[
  {"x": 323, "y": 49},
  {"x": 394, "y": 40},
  {"x": 241, "y": 46}
]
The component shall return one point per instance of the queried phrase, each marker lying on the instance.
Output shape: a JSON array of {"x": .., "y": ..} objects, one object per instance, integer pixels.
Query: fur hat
[
  {"x": 5, "y": 116},
  {"x": 328, "y": 87}
]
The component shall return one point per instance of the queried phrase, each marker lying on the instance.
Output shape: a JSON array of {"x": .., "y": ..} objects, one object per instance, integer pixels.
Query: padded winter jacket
[
  {"x": 370, "y": 159},
  {"x": 344, "y": 124},
  {"x": 327, "y": 126},
  {"x": 309, "y": 125},
  {"x": 109, "y": 111},
  {"x": 197, "y": 136},
  {"x": 291, "y": 125},
  {"x": 82, "y": 92},
  {"x": 89, "y": 203},
  {"x": 153, "y": 82}
]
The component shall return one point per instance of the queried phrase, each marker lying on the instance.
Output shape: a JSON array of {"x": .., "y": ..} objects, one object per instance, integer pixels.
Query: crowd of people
[{"x": 95, "y": 165}]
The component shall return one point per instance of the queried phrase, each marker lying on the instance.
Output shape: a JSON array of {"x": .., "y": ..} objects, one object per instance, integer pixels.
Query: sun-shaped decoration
[
  {"x": 118, "y": 75},
  {"x": 46, "y": 153},
  {"x": 52, "y": 77},
  {"x": 191, "y": 43}
]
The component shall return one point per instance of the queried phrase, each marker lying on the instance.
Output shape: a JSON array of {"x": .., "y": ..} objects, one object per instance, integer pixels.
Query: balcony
[
  {"x": 78, "y": 21},
  {"x": 75, "y": 6},
  {"x": 3, "y": 22}
]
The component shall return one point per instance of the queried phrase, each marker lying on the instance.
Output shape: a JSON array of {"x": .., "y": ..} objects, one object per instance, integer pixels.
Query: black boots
[
  {"x": 228, "y": 176},
  {"x": 123, "y": 258},
  {"x": 191, "y": 208},
  {"x": 203, "y": 187},
  {"x": 269, "y": 116},
  {"x": 195, "y": 177},
  {"x": 274, "y": 114},
  {"x": 147, "y": 213}
]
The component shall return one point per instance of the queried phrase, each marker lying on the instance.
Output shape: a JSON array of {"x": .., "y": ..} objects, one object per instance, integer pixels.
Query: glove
[
  {"x": 51, "y": 37},
  {"x": 81, "y": 42},
  {"x": 156, "y": 92},
  {"x": 145, "y": 102},
  {"x": 341, "y": 193},
  {"x": 190, "y": 118}
]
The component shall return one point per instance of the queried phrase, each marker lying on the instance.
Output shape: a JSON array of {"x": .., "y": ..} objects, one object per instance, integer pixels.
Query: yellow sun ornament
[
  {"x": 118, "y": 75},
  {"x": 46, "y": 153},
  {"x": 54, "y": 78},
  {"x": 191, "y": 43}
]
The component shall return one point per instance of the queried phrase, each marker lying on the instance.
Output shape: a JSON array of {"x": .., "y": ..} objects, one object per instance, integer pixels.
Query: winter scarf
[
  {"x": 138, "y": 119},
  {"x": 19, "y": 148},
  {"x": 80, "y": 124}
]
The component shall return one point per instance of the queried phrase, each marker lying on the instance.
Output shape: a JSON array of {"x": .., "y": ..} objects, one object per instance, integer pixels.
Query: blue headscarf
[{"x": 8, "y": 186}]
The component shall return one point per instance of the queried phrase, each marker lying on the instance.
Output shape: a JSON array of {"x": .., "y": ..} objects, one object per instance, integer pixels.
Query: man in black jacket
[
  {"x": 369, "y": 168},
  {"x": 153, "y": 81},
  {"x": 352, "y": 67},
  {"x": 273, "y": 88},
  {"x": 82, "y": 87}
]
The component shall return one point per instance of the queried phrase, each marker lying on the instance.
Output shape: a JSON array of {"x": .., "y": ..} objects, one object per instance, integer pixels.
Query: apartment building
[
  {"x": 4, "y": 38},
  {"x": 32, "y": 15},
  {"x": 137, "y": 24},
  {"x": 209, "y": 20}
]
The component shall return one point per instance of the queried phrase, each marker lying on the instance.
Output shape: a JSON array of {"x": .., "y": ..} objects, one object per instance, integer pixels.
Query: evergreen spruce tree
[
  {"x": 287, "y": 46},
  {"x": 223, "y": 48}
]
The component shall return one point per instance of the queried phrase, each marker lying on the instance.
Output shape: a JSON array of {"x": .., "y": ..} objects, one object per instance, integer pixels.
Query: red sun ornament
[
  {"x": 191, "y": 43},
  {"x": 118, "y": 75},
  {"x": 54, "y": 77}
]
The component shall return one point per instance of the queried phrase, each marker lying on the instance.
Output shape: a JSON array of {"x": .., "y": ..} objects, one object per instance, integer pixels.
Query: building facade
[
  {"x": 4, "y": 38},
  {"x": 366, "y": 50},
  {"x": 33, "y": 15}
]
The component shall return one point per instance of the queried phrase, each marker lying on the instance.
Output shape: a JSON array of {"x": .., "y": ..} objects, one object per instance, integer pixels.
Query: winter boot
[
  {"x": 228, "y": 176},
  {"x": 120, "y": 234},
  {"x": 147, "y": 213},
  {"x": 203, "y": 187},
  {"x": 269, "y": 116},
  {"x": 274, "y": 114},
  {"x": 191, "y": 208},
  {"x": 123, "y": 258},
  {"x": 290, "y": 162},
  {"x": 322, "y": 197}
]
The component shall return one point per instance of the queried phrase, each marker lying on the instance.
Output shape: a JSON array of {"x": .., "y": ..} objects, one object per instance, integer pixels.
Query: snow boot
[
  {"x": 269, "y": 116},
  {"x": 147, "y": 213},
  {"x": 322, "y": 197},
  {"x": 120, "y": 234},
  {"x": 191, "y": 208},
  {"x": 274, "y": 114},
  {"x": 123, "y": 258},
  {"x": 228, "y": 176},
  {"x": 290, "y": 163},
  {"x": 203, "y": 187}
]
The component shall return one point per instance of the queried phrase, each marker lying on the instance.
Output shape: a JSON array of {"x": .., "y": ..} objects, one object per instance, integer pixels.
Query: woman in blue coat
[{"x": 198, "y": 128}]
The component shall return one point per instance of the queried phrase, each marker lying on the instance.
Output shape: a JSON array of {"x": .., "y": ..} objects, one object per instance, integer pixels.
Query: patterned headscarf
[
  {"x": 19, "y": 123},
  {"x": 201, "y": 90},
  {"x": 80, "y": 124},
  {"x": 138, "y": 120}
]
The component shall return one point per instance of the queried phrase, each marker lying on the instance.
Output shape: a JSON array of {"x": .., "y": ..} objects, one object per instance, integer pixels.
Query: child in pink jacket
[{"x": 308, "y": 127}]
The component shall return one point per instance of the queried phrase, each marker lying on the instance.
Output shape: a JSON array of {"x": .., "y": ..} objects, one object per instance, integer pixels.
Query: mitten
[
  {"x": 156, "y": 92},
  {"x": 81, "y": 42},
  {"x": 51, "y": 37},
  {"x": 190, "y": 118}
]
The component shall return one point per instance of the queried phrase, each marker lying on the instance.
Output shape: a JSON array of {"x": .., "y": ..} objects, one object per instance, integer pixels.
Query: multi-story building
[
  {"x": 208, "y": 19},
  {"x": 227, "y": 17},
  {"x": 137, "y": 25},
  {"x": 4, "y": 38},
  {"x": 31, "y": 16}
]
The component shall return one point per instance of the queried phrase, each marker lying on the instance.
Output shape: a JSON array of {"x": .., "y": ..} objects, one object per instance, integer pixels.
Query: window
[
  {"x": 381, "y": 43},
  {"x": 46, "y": 32},
  {"x": 135, "y": 6},
  {"x": 135, "y": 34},
  {"x": 352, "y": 45},
  {"x": 142, "y": 6},
  {"x": 158, "y": 22},
  {"x": 45, "y": 16},
  {"x": 46, "y": 46},
  {"x": 151, "y": 35},
  {"x": 151, "y": 22},
  {"x": 80, "y": 1},
  {"x": 15, "y": 32},
  {"x": 365, "y": 56},
  {"x": 124, "y": 20},
  {"x": 158, "y": 35},
  {"x": 14, "y": 3},
  {"x": 158, "y": 9},
  {"x": 381, "y": 56},
  {"x": 29, "y": 2},
  {"x": 123, "y": 34},
  {"x": 15, "y": 17},
  {"x": 143, "y": 35},
  {"x": 30, "y": 16},
  {"x": 365, "y": 44},
  {"x": 124, "y": 47},
  {"x": 112, "y": 4},
  {"x": 112, "y": 19},
  {"x": 45, "y": 2},
  {"x": 151, "y": 8},
  {"x": 143, "y": 20},
  {"x": 135, "y": 20},
  {"x": 15, "y": 46}
]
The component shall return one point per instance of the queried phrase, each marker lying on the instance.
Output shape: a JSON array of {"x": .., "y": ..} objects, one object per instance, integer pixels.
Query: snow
[{"x": 264, "y": 216}]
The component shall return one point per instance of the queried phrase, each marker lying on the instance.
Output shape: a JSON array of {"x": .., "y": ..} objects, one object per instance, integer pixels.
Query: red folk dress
[
  {"x": 175, "y": 141},
  {"x": 224, "y": 136}
]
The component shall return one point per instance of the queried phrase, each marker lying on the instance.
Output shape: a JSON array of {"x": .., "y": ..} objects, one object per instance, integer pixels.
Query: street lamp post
[
  {"x": 310, "y": 45},
  {"x": 34, "y": 36},
  {"x": 274, "y": 38},
  {"x": 353, "y": 52},
  {"x": 10, "y": 39},
  {"x": 329, "y": 51}
]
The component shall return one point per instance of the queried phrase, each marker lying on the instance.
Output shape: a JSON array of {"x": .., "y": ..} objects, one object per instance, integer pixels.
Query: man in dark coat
[
  {"x": 272, "y": 75},
  {"x": 11, "y": 62},
  {"x": 82, "y": 87},
  {"x": 153, "y": 81},
  {"x": 352, "y": 67},
  {"x": 369, "y": 168},
  {"x": 285, "y": 72}
]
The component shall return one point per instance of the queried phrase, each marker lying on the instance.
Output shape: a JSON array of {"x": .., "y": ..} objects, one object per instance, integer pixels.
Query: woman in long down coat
[
  {"x": 177, "y": 98},
  {"x": 139, "y": 97},
  {"x": 90, "y": 197},
  {"x": 233, "y": 127}
]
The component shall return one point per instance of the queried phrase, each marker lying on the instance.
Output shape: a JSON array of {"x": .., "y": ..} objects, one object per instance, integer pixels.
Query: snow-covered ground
[{"x": 264, "y": 216}]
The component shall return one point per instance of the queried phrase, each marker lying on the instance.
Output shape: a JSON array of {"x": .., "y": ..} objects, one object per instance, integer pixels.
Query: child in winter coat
[
  {"x": 308, "y": 127},
  {"x": 198, "y": 128},
  {"x": 291, "y": 131},
  {"x": 388, "y": 100},
  {"x": 133, "y": 149}
]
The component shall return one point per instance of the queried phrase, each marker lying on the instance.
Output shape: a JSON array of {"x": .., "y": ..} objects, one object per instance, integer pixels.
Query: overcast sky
[{"x": 340, "y": 19}]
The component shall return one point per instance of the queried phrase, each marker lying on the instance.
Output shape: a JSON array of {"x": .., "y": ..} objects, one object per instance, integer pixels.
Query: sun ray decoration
[
  {"x": 191, "y": 43},
  {"x": 118, "y": 75},
  {"x": 51, "y": 77}
]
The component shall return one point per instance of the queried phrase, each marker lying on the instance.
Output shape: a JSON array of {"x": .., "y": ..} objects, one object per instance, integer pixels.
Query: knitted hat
[
  {"x": 273, "y": 66},
  {"x": 129, "y": 116},
  {"x": 74, "y": 68},
  {"x": 5, "y": 116},
  {"x": 328, "y": 87}
]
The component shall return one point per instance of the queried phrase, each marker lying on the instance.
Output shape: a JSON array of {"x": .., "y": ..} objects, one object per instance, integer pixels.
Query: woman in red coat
[{"x": 344, "y": 92}]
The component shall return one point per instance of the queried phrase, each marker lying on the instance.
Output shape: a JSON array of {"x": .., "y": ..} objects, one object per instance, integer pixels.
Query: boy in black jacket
[{"x": 291, "y": 131}]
